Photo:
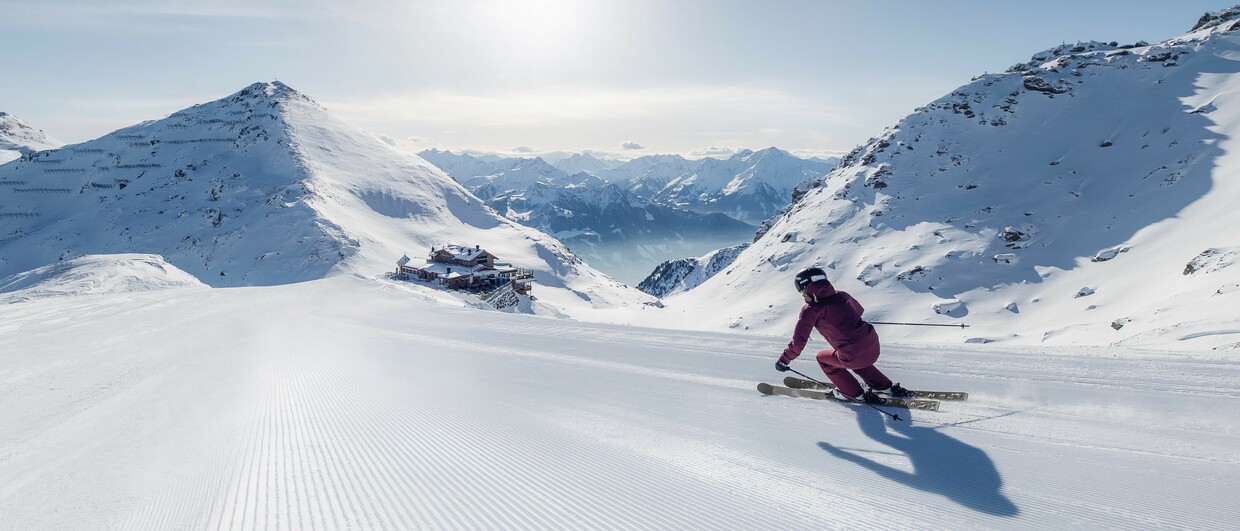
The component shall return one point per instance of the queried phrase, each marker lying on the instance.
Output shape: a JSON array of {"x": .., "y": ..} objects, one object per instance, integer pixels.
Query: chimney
[{"x": 477, "y": 247}]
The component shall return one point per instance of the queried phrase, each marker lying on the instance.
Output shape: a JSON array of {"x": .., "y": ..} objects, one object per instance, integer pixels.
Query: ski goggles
[{"x": 801, "y": 283}]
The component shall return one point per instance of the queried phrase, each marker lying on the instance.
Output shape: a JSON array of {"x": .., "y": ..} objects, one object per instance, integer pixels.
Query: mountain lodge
[{"x": 467, "y": 268}]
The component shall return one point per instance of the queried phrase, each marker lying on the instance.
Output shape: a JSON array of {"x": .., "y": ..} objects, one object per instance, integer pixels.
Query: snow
[
  {"x": 17, "y": 138},
  {"x": 1091, "y": 165},
  {"x": 266, "y": 187},
  {"x": 581, "y": 162},
  {"x": 676, "y": 276},
  {"x": 96, "y": 274},
  {"x": 143, "y": 388},
  {"x": 607, "y": 225},
  {"x": 385, "y": 408},
  {"x": 750, "y": 186}
]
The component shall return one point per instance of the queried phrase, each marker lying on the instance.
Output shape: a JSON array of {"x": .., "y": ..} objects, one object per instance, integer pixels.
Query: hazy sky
[{"x": 629, "y": 77}]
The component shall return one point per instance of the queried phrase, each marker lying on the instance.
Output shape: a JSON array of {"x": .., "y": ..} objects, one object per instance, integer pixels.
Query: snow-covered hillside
[
  {"x": 18, "y": 138},
  {"x": 344, "y": 403},
  {"x": 1075, "y": 199},
  {"x": 674, "y": 276},
  {"x": 94, "y": 275},
  {"x": 264, "y": 187}
]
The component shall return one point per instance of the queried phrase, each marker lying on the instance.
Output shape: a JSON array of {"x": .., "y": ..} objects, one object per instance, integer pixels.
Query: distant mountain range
[
  {"x": 584, "y": 163},
  {"x": 633, "y": 215},
  {"x": 587, "y": 208},
  {"x": 603, "y": 221},
  {"x": 750, "y": 186}
]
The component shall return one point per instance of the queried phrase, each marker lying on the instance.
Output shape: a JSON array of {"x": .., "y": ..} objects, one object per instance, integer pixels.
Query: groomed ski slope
[{"x": 351, "y": 403}]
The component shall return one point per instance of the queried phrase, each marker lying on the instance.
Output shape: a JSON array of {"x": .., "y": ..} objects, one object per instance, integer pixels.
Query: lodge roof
[
  {"x": 451, "y": 271},
  {"x": 441, "y": 269},
  {"x": 463, "y": 253}
]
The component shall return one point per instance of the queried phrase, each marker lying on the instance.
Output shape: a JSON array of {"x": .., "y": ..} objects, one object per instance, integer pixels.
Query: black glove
[{"x": 781, "y": 366}]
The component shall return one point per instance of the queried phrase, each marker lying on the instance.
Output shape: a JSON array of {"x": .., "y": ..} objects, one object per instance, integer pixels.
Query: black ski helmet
[{"x": 809, "y": 276}]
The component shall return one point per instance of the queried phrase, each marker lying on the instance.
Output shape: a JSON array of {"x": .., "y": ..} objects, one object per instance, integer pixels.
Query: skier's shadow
[{"x": 941, "y": 464}]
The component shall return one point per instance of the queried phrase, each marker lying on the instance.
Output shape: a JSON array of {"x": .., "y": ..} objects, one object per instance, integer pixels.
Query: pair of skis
[{"x": 921, "y": 400}]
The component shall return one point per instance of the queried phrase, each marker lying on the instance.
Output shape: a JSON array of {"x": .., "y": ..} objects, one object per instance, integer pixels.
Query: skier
[{"x": 854, "y": 343}]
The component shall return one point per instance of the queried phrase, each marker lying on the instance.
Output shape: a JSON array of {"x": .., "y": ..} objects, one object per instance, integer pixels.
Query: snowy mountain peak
[
  {"x": 750, "y": 186},
  {"x": 536, "y": 164},
  {"x": 461, "y": 167},
  {"x": 676, "y": 276},
  {"x": 660, "y": 159},
  {"x": 1215, "y": 19},
  {"x": 771, "y": 154},
  {"x": 587, "y": 180},
  {"x": 18, "y": 138},
  {"x": 1040, "y": 203},
  {"x": 258, "y": 188},
  {"x": 583, "y": 162},
  {"x": 270, "y": 91},
  {"x": 508, "y": 174}
]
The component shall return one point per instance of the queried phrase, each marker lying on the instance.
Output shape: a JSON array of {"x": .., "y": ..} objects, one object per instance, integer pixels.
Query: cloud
[
  {"x": 631, "y": 145},
  {"x": 523, "y": 149},
  {"x": 567, "y": 106},
  {"x": 164, "y": 8},
  {"x": 407, "y": 142},
  {"x": 575, "y": 117},
  {"x": 819, "y": 153},
  {"x": 151, "y": 16},
  {"x": 714, "y": 151}
]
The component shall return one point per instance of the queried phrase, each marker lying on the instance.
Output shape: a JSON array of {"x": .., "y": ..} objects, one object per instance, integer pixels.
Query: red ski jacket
[{"x": 837, "y": 316}]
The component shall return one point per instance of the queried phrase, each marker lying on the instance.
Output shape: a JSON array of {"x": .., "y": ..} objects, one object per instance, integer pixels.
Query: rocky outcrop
[{"x": 675, "y": 276}]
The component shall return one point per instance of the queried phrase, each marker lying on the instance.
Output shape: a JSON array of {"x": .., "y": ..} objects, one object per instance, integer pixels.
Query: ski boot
[
  {"x": 899, "y": 392},
  {"x": 867, "y": 397},
  {"x": 871, "y": 398}
]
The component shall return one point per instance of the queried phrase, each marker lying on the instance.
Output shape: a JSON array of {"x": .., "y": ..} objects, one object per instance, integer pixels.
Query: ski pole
[
  {"x": 961, "y": 325},
  {"x": 807, "y": 377}
]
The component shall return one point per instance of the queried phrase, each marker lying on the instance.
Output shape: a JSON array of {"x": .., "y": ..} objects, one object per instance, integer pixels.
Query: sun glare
[{"x": 535, "y": 30}]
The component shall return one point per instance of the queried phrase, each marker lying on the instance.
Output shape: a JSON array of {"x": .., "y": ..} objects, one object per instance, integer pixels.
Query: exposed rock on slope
[
  {"x": 262, "y": 187},
  {"x": 18, "y": 138},
  {"x": 1094, "y": 164},
  {"x": 675, "y": 276}
]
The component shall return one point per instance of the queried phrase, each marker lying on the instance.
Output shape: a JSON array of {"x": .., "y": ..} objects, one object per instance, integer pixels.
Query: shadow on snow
[{"x": 941, "y": 464}]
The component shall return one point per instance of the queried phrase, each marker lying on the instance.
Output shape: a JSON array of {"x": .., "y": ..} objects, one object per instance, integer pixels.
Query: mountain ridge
[
  {"x": 262, "y": 187},
  {"x": 18, "y": 138},
  {"x": 1035, "y": 202}
]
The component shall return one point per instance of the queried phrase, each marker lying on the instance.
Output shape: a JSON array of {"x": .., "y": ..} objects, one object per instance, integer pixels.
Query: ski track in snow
[{"x": 263, "y": 408}]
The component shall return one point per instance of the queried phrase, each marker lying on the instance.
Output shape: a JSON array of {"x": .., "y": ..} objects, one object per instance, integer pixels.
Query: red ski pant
[{"x": 837, "y": 369}]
